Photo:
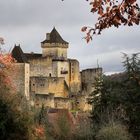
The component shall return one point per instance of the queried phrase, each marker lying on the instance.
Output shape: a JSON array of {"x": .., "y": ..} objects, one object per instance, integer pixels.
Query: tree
[
  {"x": 132, "y": 103},
  {"x": 107, "y": 101},
  {"x": 119, "y": 97},
  {"x": 112, "y": 13},
  {"x": 14, "y": 120}
]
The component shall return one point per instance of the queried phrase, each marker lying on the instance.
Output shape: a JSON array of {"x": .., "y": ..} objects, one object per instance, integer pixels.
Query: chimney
[{"x": 48, "y": 36}]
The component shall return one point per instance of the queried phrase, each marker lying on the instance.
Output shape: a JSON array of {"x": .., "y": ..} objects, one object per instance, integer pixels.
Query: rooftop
[
  {"x": 54, "y": 37},
  {"x": 18, "y": 54},
  {"x": 32, "y": 55},
  {"x": 22, "y": 57}
]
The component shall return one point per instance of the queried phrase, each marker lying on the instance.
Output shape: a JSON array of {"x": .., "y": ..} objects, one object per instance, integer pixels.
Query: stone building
[
  {"x": 88, "y": 77},
  {"x": 50, "y": 77}
]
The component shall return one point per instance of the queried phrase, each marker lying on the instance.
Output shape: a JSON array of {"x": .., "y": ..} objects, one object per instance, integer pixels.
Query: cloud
[{"x": 27, "y": 21}]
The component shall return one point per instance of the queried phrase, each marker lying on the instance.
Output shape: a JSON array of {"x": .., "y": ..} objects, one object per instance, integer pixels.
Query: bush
[
  {"x": 113, "y": 131},
  {"x": 15, "y": 122},
  {"x": 83, "y": 129},
  {"x": 64, "y": 128}
]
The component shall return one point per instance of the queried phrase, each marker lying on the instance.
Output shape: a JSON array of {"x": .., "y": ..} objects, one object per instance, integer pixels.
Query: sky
[{"x": 26, "y": 22}]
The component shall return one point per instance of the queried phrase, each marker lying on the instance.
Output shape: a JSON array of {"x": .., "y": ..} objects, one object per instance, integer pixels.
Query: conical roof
[{"x": 54, "y": 37}]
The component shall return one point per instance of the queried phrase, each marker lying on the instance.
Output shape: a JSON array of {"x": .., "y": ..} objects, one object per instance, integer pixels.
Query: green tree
[
  {"x": 132, "y": 103},
  {"x": 14, "y": 119},
  {"x": 107, "y": 97},
  {"x": 118, "y": 96},
  {"x": 14, "y": 122}
]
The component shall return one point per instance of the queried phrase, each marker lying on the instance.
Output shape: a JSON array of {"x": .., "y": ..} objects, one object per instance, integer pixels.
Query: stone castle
[{"x": 51, "y": 78}]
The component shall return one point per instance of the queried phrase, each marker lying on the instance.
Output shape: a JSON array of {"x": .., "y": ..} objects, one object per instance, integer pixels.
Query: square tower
[{"x": 54, "y": 46}]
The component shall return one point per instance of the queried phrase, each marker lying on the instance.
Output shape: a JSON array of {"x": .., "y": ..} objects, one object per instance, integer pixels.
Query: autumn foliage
[
  {"x": 6, "y": 61},
  {"x": 112, "y": 13}
]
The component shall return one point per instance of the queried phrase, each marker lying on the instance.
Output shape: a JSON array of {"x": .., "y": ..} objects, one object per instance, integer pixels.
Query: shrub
[
  {"x": 64, "y": 128},
  {"x": 113, "y": 131},
  {"x": 15, "y": 122}
]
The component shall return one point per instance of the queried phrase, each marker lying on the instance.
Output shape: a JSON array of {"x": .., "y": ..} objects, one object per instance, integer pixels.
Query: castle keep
[{"x": 51, "y": 78}]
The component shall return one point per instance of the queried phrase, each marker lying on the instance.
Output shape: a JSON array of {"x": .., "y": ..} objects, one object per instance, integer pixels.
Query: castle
[{"x": 51, "y": 78}]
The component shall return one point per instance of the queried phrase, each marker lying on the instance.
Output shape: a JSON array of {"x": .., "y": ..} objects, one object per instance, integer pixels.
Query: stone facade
[
  {"x": 88, "y": 77},
  {"x": 61, "y": 69},
  {"x": 62, "y": 103},
  {"x": 55, "y": 50},
  {"x": 75, "y": 77},
  {"x": 20, "y": 74},
  {"x": 46, "y": 85},
  {"x": 41, "y": 66},
  {"x": 50, "y": 101},
  {"x": 52, "y": 79},
  {"x": 46, "y": 100},
  {"x": 82, "y": 103}
]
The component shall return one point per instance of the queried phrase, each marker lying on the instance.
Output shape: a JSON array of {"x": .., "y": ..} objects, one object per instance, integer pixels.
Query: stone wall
[
  {"x": 56, "y": 50},
  {"x": 88, "y": 77},
  {"x": 46, "y": 85},
  {"x": 74, "y": 74},
  {"x": 61, "y": 69},
  {"x": 46, "y": 100},
  {"x": 62, "y": 103},
  {"x": 82, "y": 103},
  {"x": 41, "y": 66},
  {"x": 20, "y": 78}
]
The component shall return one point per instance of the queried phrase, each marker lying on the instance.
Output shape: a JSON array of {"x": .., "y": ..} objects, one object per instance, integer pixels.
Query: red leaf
[{"x": 84, "y": 29}]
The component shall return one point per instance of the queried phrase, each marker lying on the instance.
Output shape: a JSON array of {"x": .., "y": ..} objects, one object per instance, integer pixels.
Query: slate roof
[
  {"x": 54, "y": 38},
  {"x": 32, "y": 55},
  {"x": 18, "y": 54},
  {"x": 22, "y": 57}
]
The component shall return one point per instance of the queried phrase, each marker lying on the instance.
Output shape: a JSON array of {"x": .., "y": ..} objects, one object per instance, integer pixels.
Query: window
[
  {"x": 42, "y": 85},
  {"x": 72, "y": 70}
]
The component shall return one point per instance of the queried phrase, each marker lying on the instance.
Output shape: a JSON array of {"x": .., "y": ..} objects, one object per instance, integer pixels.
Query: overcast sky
[{"x": 26, "y": 22}]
